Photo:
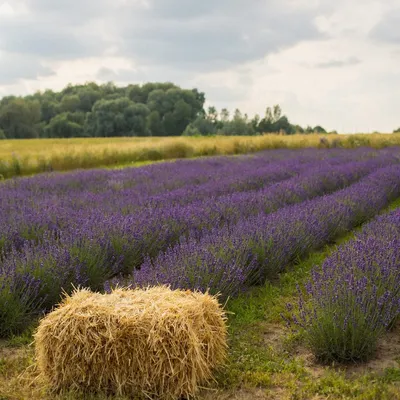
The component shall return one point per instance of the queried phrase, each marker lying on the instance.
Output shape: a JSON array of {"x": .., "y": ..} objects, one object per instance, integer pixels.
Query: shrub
[{"x": 354, "y": 296}]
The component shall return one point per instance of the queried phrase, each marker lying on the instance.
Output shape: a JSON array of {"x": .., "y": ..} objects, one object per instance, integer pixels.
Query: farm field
[
  {"x": 28, "y": 157},
  {"x": 303, "y": 245}
]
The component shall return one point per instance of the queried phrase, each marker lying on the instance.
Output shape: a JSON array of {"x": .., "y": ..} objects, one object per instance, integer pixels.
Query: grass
[
  {"x": 27, "y": 157},
  {"x": 266, "y": 358}
]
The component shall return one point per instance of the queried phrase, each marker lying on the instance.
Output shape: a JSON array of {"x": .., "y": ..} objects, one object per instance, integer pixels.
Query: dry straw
[{"x": 153, "y": 343}]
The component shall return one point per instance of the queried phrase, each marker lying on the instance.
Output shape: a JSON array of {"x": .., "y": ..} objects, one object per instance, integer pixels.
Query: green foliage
[
  {"x": 212, "y": 115},
  {"x": 397, "y": 130},
  {"x": 120, "y": 117},
  {"x": 201, "y": 126},
  {"x": 70, "y": 103},
  {"x": 152, "y": 109},
  {"x": 319, "y": 129},
  {"x": 329, "y": 344},
  {"x": 239, "y": 125},
  {"x": 49, "y": 109},
  {"x": 66, "y": 125},
  {"x": 19, "y": 117},
  {"x": 2, "y": 135},
  {"x": 191, "y": 130},
  {"x": 17, "y": 310},
  {"x": 154, "y": 124},
  {"x": 275, "y": 122}
]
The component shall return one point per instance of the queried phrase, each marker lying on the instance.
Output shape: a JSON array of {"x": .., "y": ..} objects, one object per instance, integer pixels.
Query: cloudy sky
[{"x": 334, "y": 63}]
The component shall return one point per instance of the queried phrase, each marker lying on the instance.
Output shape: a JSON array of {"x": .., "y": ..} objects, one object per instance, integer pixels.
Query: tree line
[{"x": 151, "y": 109}]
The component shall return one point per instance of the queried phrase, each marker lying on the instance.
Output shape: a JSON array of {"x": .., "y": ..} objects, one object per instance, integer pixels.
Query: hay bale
[{"x": 155, "y": 342}]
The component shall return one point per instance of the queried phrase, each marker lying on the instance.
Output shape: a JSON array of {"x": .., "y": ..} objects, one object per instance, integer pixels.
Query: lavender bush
[
  {"x": 19, "y": 301},
  {"x": 354, "y": 297}
]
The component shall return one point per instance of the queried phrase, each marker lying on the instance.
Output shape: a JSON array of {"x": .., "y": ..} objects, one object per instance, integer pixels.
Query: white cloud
[
  {"x": 328, "y": 63},
  {"x": 12, "y": 10},
  {"x": 6, "y": 10}
]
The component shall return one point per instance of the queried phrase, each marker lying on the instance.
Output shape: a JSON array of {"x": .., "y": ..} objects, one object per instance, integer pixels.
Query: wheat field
[{"x": 27, "y": 157}]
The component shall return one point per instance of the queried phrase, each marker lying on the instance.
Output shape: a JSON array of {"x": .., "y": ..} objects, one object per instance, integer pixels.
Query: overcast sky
[{"x": 335, "y": 63}]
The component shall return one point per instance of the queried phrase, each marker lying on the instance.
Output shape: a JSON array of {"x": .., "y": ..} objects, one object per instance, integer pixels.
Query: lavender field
[{"x": 223, "y": 224}]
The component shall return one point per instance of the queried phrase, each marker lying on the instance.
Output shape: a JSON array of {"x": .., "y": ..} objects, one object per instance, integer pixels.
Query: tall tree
[
  {"x": 19, "y": 118},
  {"x": 212, "y": 115},
  {"x": 224, "y": 115},
  {"x": 64, "y": 125},
  {"x": 120, "y": 117}
]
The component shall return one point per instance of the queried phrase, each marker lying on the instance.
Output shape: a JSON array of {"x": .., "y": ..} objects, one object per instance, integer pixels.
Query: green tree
[
  {"x": 224, "y": 115},
  {"x": 176, "y": 109},
  {"x": 319, "y": 129},
  {"x": 63, "y": 125},
  {"x": 204, "y": 126},
  {"x": 298, "y": 129},
  {"x": 88, "y": 96},
  {"x": 283, "y": 125},
  {"x": 191, "y": 130},
  {"x": 169, "y": 124},
  {"x": 275, "y": 122},
  {"x": 20, "y": 118},
  {"x": 157, "y": 102},
  {"x": 309, "y": 129},
  {"x": 266, "y": 124},
  {"x": 137, "y": 115},
  {"x": 136, "y": 94},
  {"x": 49, "y": 109},
  {"x": 239, "y": 125},
  {"x": 119, "y": 117},
  {"x": 212, "y": 115},
  {"x": 277, "y": 113},
  {"x": 255, "y": 121},
  {"x": 70, "y": 103},
  {"x": 154, "y": 124}
]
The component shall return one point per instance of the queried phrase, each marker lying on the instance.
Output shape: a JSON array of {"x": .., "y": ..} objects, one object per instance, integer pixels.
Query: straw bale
[{"x": 153, "y": 343}]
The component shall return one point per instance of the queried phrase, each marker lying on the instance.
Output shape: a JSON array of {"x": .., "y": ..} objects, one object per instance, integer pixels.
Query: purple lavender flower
[{"x": 357, "y": 290}]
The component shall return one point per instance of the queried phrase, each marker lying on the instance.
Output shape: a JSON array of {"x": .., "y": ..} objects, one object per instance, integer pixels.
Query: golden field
[{"x": 31, "y": 156}]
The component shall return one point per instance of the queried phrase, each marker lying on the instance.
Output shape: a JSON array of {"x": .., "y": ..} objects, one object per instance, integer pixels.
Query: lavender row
[
  {"x": 354, "y": 297},
  {"x": 231, "y": 258}
]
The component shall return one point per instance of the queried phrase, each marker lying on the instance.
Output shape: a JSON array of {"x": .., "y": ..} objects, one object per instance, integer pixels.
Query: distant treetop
[{"x": 151, "y": 109}]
